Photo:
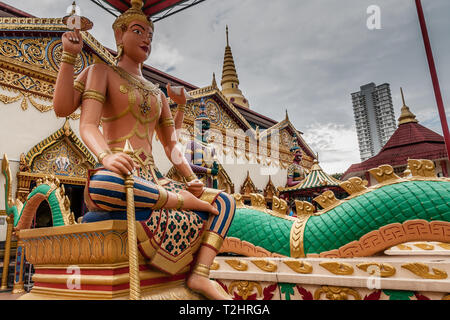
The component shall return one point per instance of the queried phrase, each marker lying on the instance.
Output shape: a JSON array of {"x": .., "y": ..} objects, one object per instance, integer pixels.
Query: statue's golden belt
[{"x": 145, "y": 162}]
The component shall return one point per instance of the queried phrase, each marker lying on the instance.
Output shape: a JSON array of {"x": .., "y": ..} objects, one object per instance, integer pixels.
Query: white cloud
[{"x": 336, "y": 145}]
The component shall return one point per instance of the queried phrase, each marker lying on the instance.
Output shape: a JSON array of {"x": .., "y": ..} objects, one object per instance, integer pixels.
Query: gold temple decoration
[
  {"x": 354, "y": 185},
  {"x": 384, "y": 174},
  {"x": 424, "y": 246},
  {"x": 304, "y": 208},
  {"x": 327, "y": 200},
  {"x": 422, "y": 168},
  {"x": 258, "y": 201},
  {"x": 215, "y": 265},
  {"x": 404, "y": 247},
  {"x": 279, "y": 206},
  {"x": 383, "y": 270},
  {"x": 445, "y": 246},
  {"x": 299, "y": 266},
  {"x": 265, "y": 265},
  {"x": 423, "y": 271},
  {"x": 245, "y": 288},
  {"x": 338, "y": 268},
  {"x": 239, "y": 200},
  {"x": 238, "y": 265},
  {"x": 406, "y": 115},
  {"x": 336, "y": 293},
  {"x": 296, "y": 236}
]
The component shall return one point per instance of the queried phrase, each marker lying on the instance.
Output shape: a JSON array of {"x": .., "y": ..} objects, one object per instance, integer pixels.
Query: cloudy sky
[{"x": 305, "y": 56}]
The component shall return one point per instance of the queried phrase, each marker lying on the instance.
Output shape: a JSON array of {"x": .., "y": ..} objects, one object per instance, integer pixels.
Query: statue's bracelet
[
  {"x": 68, "y": 57},
  {"x": 180, "y": 201},
  {"x": 191, "y": 177},
  {"x": 181, "y": 107},
  {"x": 102, "y": 155}
]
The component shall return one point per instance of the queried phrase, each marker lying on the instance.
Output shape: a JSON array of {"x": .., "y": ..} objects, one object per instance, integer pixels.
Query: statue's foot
[{"x": 206, "y": 287}]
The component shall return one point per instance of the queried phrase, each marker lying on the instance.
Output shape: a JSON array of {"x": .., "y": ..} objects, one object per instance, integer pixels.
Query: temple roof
[
  {"x": 316, "y": 178},
  {"x": 411, "y": 140}
]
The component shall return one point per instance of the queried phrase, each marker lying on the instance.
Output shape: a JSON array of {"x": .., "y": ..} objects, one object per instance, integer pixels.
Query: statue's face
[
  {"x": 137, "y": 41},
  {"x": 298, "y": 155}
]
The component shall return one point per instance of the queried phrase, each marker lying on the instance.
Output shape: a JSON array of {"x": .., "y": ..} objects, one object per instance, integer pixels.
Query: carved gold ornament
[
  {"x": 423, "y": 271},
  {"x": 245, "y": 288},
  {"x": 336, "y": 293},
  {"x": 299, "y": 266},
  {"x": 239, "y": 200},
  {"x": 258, "y": 201},
  {"x": 404, "y": 247},
  {"x": 445, "y": 246},
  {"x": 422, "y": 168},
  {"x": 238, "y": 265},
  {"x": 384, "y": 174},
  {"x": 354, "y": 185},
  {"x": 303, "y": 208},
  {"x": 338, "y": 268},
  {"x": 327, "y": 200},
  {"x": 424, "y": 246},
  {"x": 265, "y": 265},
  {"x": 296, "y": 236},
  {"x": 279, "y": 206},
  {"x": 215, "y": 266},
  {"x": 383, "y": 270}
]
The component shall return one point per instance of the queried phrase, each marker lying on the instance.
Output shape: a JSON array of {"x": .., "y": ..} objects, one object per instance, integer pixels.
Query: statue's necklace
[{"x": 146, "y": 89}]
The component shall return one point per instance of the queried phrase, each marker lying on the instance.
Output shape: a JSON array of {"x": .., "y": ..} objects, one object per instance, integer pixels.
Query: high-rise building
[{"x": 374, "y": 117}]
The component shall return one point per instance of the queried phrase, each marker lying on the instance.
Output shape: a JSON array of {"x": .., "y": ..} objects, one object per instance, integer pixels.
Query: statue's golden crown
[{"x": 132, "y": 14}]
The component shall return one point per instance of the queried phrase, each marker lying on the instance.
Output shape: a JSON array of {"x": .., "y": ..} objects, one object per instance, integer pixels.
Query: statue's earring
[{"x": 119, "y": 52}]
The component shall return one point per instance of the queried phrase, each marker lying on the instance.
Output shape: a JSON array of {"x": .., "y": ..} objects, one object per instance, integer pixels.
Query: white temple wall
[{"x": 20, "y": 131}]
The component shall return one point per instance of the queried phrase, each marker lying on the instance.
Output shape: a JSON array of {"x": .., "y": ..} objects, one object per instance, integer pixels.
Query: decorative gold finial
[
  {"x": 214, "y": 83},
  {"x": 403, "y": 96},
  {"x": 406, "y": 115},
  {"x": 228, "y": 44}
]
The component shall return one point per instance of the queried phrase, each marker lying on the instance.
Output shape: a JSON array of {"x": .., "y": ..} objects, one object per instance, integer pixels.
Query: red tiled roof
[{"x": 410, "y": 141}]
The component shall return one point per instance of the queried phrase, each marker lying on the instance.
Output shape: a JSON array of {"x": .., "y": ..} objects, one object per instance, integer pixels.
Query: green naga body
[{"x": 358, "y": 226}]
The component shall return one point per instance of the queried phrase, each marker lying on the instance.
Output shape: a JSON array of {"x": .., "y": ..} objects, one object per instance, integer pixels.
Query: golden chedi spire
[
  {"x": 230, "y": 81},
  {"x": 406, "y": 115}
]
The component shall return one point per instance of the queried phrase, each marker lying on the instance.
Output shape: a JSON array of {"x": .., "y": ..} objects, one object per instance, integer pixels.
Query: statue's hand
[
  {"x": 72, "y": 41},
  {"x": 215, "y": 169},
  {"x": 195, "y": 187},
  {"x": 178, "y": 98},
  {"x": 192, "y": 203},
  {"x": 120, "y": 163}
]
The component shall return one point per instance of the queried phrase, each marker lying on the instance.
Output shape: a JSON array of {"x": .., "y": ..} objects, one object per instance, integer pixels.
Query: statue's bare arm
[
  {"x": 66, "y": 99},
  {"x": 168, "y": 138}
]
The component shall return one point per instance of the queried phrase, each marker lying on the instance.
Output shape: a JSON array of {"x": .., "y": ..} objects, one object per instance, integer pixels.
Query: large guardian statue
[{"x": 179, "y": 224}]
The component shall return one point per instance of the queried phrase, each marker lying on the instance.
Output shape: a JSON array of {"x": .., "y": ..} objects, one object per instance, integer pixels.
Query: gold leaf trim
[
  {"x": 338, "y": 268},
  {"x": 380, "y": 269},
  {"x": 300, "y": 266},
  {"x": 265, "y": 265},
  {"x": 238, "y": 265},
  {"x": 423, "y": 271}
]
